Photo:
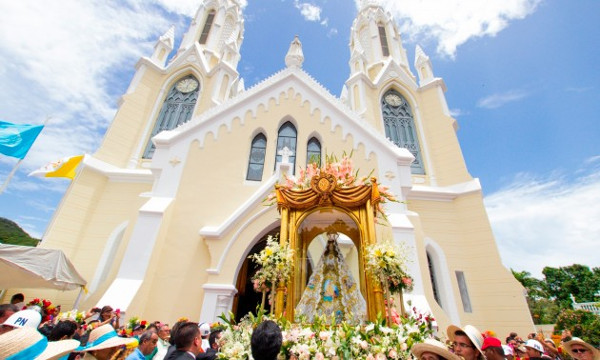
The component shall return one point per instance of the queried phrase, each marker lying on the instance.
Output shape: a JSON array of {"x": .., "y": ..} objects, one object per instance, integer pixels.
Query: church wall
[
  {"x": 462, "y": 230},
  {"x": 91, "y": 209},
  {"x": 126, "y": 131},
  {"x": 446, "y": 157}
]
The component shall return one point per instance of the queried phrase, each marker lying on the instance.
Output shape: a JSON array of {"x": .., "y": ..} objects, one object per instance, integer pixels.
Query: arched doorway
[{"x": 247, "y": 300}]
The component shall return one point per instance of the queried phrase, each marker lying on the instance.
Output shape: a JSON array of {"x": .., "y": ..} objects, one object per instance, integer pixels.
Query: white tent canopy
[{"x": 31, "y": 267}]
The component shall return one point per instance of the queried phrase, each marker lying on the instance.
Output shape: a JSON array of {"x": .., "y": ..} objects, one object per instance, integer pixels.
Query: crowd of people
[{"x": 98, "y": 334}]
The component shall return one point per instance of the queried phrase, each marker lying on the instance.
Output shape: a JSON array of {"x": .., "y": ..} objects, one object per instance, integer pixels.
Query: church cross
[{"x": 285, "y": 154}]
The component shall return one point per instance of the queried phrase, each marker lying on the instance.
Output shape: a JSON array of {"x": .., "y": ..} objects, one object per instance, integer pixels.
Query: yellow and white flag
[{"x": 64, "y": 167}]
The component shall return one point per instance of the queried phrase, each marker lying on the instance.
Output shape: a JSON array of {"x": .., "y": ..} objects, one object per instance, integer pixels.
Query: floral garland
[
  {"x": 275, "y": 263},
  {"x": 344, "y": 173},
  {"x": 48, "y": 311},
  {"x": 73, "y": 315},
  {"x": 386, "y": 263},
  {"x": 321, "y": 340}
]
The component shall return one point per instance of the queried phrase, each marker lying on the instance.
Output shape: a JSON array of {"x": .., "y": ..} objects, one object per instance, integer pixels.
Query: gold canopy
[{"x": 358, "y": 204}]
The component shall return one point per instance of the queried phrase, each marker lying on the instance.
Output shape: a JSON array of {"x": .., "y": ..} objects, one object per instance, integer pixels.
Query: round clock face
[
  {"x": 187, "y": 85},
  {"x": 393, "y": 100}
]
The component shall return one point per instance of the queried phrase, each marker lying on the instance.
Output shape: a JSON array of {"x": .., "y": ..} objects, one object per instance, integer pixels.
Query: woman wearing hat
[
  {"x": 432, "y": 349},
  {"x": 466, "y": 342},
  {"x": 103, "y": 343},
  {"x": 580, "y": 350},
  {"x": 26, "y": 343}
]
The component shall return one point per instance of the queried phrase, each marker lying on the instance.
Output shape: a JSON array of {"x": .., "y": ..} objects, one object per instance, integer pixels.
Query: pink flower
[
  {"x": 319, "y": 356},
  {"x": 393, "y": 354},
  {"x": 380, "y": 356}
]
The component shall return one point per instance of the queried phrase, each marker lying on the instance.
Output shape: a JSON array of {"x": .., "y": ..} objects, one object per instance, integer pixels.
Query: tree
[
  {"x": 535, "y": 288},
  {"x": 11, "y": 233},
  {"x": 582, "y": 324},
  {"x": 579, "y": 280}
]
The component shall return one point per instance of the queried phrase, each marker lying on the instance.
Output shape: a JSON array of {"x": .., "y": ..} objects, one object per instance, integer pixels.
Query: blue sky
[{"x": 522, "y": 77}]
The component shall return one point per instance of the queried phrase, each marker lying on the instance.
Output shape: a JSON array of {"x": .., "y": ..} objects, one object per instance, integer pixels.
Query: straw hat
[
  {"x": 433, "y": 346},
  {"x": 578, "y": 341},
  {"x": 472, "y": 333},
  {"x": 104, "y": 337},
  {"x": 27, "y": 343}
]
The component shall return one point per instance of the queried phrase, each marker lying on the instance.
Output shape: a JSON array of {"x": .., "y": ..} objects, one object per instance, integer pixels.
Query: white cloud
[
  {"x": 332, "y": 32},
  {"x": 68, "y": 54},
  {"x": 457, "y": 112},
  {"x": 495, "y": 101},
  {"x": 547, "y": 222},
  {"x": 451, "y": 23},
  {"x": 309, "y": 11}
]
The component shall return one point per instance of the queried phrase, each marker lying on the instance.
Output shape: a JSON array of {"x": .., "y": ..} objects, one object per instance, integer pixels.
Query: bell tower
[
  {"x": 376, "y": 53},
  {"x": 168, "y": 89},
  {"x": 217, "y": 30}
]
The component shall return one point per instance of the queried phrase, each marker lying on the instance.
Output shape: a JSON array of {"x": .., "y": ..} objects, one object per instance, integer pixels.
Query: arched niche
[{"x": 307, "y": 214}]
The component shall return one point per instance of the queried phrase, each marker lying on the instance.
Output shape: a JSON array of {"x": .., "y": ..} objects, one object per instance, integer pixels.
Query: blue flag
[{"x": 16, "y": 139}]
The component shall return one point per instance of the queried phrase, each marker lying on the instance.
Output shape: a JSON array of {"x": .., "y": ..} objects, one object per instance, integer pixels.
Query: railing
[{"x": 593, "y": 307}]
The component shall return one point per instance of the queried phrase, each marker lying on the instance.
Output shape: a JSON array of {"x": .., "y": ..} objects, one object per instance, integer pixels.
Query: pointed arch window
[
  {"x": 286, "y": 139},
  {"x": 385, "y": 50},
  {"x": 432, "y": 277},
  {"x": 400, "y": 126},
  {"x": 313, "y": 152},
  {"x": 207, "y": 26},
  {"x": 256, "y": 162},
  {"x": 176, "y": 110}
]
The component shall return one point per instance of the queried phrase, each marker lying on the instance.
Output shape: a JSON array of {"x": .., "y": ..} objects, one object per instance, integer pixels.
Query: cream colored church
[{"x": 162, "y": 218}]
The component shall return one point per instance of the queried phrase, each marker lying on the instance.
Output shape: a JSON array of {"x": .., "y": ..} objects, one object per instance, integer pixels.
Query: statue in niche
[{"x": 331, "y": 289}]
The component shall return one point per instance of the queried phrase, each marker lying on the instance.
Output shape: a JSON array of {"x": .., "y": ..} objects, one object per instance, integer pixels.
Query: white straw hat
[
  {"x": 26, "y": 343},
  {"x": 577, "y": 341},
  {"x": 104, "y": 337},
  {"x": 472, "y": 333},
  {"x": 24, "y": 318},
  {"x": 433, "y": 346}
]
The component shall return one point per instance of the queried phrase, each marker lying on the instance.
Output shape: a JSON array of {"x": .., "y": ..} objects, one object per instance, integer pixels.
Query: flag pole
[
  {"x": 14, "y": 170},
  {"x": 12, "y": 173}
]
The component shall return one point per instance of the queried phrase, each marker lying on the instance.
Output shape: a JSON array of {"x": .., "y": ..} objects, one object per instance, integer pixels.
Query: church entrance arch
[{"x": 247, "y": 300}]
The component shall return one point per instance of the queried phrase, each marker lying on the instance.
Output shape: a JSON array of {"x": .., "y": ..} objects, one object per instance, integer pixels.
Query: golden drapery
[{"x": 325, "y": 191}]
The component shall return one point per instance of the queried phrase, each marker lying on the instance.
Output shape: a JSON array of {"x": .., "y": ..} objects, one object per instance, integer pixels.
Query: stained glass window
[
  {"x": 176, "y": 110},
  {"x": 256, "y": 163},
  {"x": 400, "y": 127}
]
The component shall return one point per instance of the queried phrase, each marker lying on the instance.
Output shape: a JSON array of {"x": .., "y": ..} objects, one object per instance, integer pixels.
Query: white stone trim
[
  {"x": 136, "y": 259},
  {"x": 446, "y": 193},
  {"x": 444, "y": 281},
  {"x": 216, "y": 232},
  {"x": 106, "y": 261},
  {"x": 290, "y": 78},
  {"x": 117, "y": 174},
  {"x": 218, "y": 299}
]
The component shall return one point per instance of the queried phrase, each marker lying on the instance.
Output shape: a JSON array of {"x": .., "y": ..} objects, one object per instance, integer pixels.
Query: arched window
[
  {"x": 256, "y": 163},
  {"x": 313, "y": 152},
  {"x": 400, "y": 126},
  {"x": 432, "y": 277},
  {"x": 176, "y": 110},
  {"x": 207, "y": 25},
  {"x": 286, "y": 139},
  {"x": 385, "y": 50}
]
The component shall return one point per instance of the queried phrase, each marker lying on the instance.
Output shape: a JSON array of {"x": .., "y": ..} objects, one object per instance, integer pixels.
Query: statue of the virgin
[{"x": 331, "y": 289}]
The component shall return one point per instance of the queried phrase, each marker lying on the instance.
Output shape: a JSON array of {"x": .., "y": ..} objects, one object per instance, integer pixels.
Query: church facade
[{"x": 162, "y": 218}]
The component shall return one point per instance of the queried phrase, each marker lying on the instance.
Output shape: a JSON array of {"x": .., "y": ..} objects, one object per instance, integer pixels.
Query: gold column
[{"x": 283, "y": 239}]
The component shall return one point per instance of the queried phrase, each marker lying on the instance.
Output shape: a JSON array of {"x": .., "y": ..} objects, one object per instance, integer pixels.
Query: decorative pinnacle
[{"x": 294, "y": 57}]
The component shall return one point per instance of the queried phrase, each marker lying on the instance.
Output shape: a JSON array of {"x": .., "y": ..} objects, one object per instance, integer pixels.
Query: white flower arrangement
[{"x": 276, "y": 264}]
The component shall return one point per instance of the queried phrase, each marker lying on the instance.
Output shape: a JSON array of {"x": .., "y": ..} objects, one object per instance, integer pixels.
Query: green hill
[{"x": 11, "y": 233}]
